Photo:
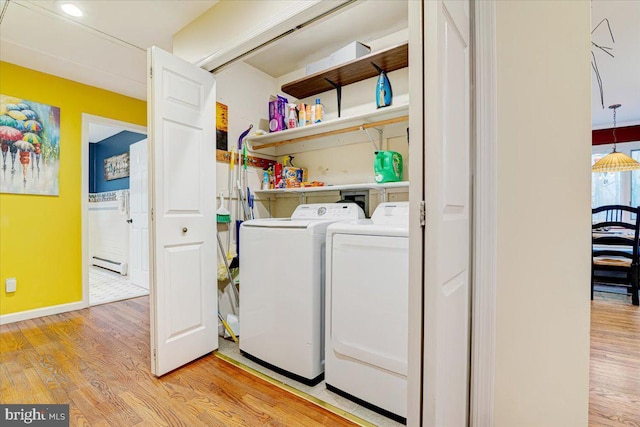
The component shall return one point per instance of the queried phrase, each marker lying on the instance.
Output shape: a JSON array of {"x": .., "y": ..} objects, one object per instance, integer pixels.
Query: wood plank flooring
[
  {"x": 614, "y": 395},
  {"x": 97, "y": 360}
]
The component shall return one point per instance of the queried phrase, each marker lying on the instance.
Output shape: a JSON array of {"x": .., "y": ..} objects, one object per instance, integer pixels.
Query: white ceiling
[
  {"x": 620, "y": 75},
  {"x": 106, "y": 48},
  {"x": 98, "y": 132}
]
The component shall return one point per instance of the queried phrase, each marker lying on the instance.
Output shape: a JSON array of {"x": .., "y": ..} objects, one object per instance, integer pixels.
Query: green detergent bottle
[{"x": 387, "y": 166}]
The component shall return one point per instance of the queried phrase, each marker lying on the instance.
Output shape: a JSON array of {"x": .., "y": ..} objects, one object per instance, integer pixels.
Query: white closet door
[
  {"x": 447, "y": 186},
  {"x": 182, "y": 148}
]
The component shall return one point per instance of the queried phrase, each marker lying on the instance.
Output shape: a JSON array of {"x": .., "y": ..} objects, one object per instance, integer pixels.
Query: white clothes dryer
[
  {"x": 367, "y": 289},
  {"x": 282, "y": 289}
]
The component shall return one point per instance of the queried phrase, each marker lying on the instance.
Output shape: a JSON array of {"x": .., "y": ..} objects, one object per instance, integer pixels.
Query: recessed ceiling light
[{"x": 71, "y": 9}]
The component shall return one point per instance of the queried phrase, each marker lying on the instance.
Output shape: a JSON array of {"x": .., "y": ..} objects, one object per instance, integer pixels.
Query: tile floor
[
  {"x": 106, "y": 286},
  {"x": 319, "y": 391}
]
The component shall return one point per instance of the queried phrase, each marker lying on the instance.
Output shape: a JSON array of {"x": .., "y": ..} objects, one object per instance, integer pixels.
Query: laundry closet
[
  {"x": 337, "y": 155},
  {"x": 287, "y": 57}
]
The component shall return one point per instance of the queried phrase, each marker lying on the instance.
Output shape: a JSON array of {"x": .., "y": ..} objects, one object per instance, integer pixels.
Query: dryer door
[{"x": 369, "y": 288}]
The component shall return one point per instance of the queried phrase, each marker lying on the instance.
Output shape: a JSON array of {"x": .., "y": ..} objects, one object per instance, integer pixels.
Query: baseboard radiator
[{"x": 117, "y": 266}]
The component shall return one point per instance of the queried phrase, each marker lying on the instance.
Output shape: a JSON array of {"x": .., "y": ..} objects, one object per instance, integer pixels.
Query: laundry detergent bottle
[
  {"x": 383, "y": 90},
  {"x": 387, "y": 166}
]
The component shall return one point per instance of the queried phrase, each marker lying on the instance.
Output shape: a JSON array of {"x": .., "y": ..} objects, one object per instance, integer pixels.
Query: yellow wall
[
  {"x": 544, "y": 213},
  {"x": 40, "y": 236}
]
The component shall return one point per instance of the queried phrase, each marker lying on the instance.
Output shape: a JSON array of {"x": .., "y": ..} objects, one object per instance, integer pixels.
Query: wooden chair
[{"x": 615, "y": 242}]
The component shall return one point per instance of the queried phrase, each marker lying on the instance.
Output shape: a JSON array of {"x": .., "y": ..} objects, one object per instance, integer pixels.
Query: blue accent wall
[{"x": 112, "y": 146}]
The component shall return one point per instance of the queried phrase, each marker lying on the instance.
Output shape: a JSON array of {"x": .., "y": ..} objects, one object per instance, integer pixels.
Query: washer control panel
[{"x": 328, "y": 211}]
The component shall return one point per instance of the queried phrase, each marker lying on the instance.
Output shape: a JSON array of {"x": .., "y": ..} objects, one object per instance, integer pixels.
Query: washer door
[{"x": 369, "y": 299}]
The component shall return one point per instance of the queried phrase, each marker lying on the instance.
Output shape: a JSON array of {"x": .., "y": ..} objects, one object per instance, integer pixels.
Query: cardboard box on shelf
[
  {"x": 317, "y": 66},
  {"x": 353, "y": 50}
]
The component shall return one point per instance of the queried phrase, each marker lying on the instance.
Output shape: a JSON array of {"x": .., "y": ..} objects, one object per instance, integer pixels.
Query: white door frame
[
  {"x": 484, "y": 244},
  {"x": 88, "y": 119}
]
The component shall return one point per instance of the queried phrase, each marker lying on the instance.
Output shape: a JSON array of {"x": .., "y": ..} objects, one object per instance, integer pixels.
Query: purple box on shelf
[{"x": 277, "y": 113}]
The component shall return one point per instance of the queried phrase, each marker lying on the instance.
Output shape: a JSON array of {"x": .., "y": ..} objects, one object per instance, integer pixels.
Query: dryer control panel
[
  {"x": 391, "y": 213},
  {"x": 328, "y": 211}
]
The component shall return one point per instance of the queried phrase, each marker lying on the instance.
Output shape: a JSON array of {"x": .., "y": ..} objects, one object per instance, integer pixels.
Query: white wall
[
  {"x": 108, "y": 232},
  {"x": 544, "y": 148}
]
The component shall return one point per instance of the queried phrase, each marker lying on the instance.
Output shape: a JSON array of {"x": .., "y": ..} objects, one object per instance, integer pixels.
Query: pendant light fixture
[{"x": 615, "y": 161}]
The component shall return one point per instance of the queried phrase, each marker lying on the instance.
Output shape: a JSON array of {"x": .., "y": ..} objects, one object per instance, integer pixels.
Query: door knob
[
  {"x": 184, "y": 229},
  {"x": 130, "y": 220}
]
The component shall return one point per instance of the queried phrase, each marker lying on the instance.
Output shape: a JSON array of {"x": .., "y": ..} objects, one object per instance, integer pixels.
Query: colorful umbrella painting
[
  {"x": 25, "y": 155},
  {"x": 8, "y": 121},
  {"x": 20, "y": 125},
  {"x": 23, "y": 145},
  {"x": 17, "y": 115},
  {"x": 30, "y": 114},
  {"x": 8, "y": 135},
  {"x": 32, "y": 126},
  {"x": 35, "y": 152},
  {"x": 30, "y": 130},
  {"x": 31, "y": 137}
]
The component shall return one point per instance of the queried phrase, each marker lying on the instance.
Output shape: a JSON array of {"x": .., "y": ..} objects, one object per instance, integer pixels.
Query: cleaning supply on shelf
[
  {"x": 292, "y": 121},
  {"x": 319, "y": 116},
  {"x": 387, "y": 166},
  {"x": 223, "y": 216},
  {"x": 278, "y": 183},
  {"x": 383, "y": 89},
  {"x": 266, "y": 179},
  {"x": 277, "y": 113},
  {"x": 302, "y": 116}
]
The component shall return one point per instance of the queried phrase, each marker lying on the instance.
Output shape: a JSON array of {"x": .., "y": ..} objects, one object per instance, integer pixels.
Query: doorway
[{"x": 107, "y": 237}]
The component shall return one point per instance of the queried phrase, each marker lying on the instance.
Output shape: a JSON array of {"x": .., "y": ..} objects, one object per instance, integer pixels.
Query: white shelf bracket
[{"x": 371, "y": 139}]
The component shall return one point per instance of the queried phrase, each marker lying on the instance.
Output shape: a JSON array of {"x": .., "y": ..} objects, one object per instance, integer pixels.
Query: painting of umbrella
[
  {"x": 16, "y": 115},
  {"x": 30, "y": 131},
  {"x": 29, "y": 114},
  {"x": 8, "y": 121},
  {"x": 32, "y": 126},
  {"x": 7, "y": 137},
  {"x": 25, "y": 154},
  {"x": 35, "y": 154}
]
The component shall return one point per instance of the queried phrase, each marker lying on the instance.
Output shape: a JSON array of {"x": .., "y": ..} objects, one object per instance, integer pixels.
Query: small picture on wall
[
  {"x": 222, "y": 126},
  {"x": 116, "y": 167},
  {"x": 30, "y": 143}
]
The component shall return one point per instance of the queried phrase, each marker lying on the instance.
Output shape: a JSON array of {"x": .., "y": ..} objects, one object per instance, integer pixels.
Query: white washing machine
[
  {"x": 282, "y": 288},
  {"x": 367, "y": 289}
]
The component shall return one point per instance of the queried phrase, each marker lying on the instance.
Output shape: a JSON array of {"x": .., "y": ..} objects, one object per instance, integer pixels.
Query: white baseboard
[{"x": 39, "y": 312}]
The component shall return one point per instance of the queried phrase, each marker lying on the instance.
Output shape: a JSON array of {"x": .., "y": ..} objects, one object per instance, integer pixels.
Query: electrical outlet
[{"x": 10, "y": 284}]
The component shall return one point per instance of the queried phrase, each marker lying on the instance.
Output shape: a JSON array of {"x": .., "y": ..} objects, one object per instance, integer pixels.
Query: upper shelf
[
  {"x": 325, "y": 134},
  {"x": 354, "y": 71}
]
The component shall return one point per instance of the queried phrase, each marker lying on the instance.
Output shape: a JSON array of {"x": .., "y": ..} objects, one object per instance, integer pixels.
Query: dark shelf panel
[{"x": 354, "y": 71}]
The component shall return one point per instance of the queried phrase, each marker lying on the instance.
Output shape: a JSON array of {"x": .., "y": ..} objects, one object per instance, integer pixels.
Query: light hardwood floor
[
  {"x": 614, "y": 396},
  {"x": 97, "y": 360}
]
